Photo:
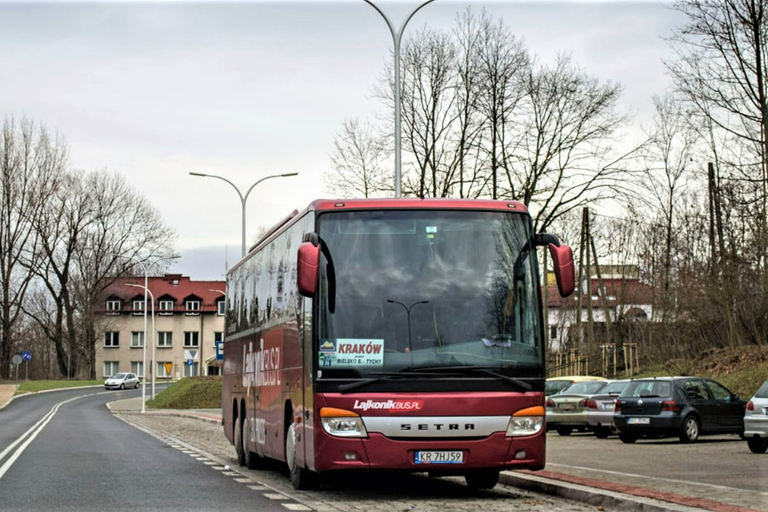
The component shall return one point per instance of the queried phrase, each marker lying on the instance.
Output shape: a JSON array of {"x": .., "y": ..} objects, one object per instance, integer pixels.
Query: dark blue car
[{"x": 684, "y": 407}]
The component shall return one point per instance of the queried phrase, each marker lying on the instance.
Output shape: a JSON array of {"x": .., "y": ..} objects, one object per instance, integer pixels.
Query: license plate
[
  {"x": 609, "y": 407},
  {"x": 639, "y": 421},
  {"x": 567, "y": 407},
  {"x": 439, "y": 457}
]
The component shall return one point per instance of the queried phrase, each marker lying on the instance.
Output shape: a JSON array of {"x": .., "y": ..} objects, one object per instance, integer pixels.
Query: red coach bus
[{"x": 391, "y": 334}]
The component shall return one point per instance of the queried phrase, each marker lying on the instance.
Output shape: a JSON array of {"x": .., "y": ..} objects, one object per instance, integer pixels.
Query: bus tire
[
  {"x": 252, "y": 459},
  {"x": 482, "y": 479},
  {"x": 239, "y": 442},
  {"x": 301, "y": 478}
]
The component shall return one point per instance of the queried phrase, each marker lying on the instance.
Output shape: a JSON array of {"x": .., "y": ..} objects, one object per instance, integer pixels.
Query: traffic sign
[
  {"x": 26, "y": 355},
  {"x": 16, "y": 360},
  {"x": 190, "y": 362},
  {"x": 219, "y": 350},
  {"x": 168, "y": 368}
]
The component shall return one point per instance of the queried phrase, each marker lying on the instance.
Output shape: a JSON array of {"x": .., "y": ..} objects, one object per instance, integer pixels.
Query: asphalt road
[{"x": 65, "y": 451}]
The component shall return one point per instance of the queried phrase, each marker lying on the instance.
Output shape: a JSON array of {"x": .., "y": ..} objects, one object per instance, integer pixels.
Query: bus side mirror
[
  {"x": 562, "y": 261},
  {"x": 307, "y": 268}
]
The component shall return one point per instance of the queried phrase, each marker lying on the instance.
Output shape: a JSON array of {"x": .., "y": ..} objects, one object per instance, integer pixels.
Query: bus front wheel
[
  {"x": 483, "y": 479},
  {"x": 301, "y": 478}
]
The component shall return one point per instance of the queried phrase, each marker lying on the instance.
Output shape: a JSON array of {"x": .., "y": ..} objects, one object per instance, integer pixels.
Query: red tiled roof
[{"x": 174, "y": 285}]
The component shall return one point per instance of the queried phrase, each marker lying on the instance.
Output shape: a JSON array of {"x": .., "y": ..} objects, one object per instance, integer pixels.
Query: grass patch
[
  {"x": 33, "y": 386},
  {"x": 190, "y": 393}
]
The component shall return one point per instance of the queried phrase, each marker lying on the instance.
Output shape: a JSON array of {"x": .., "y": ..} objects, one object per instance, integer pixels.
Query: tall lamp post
[
  {"x": 243, "y": 198},
  {"x": 152, "y": 297},
  {"x": 408, "y": 314},
  {"x": 397, "y": 37}
]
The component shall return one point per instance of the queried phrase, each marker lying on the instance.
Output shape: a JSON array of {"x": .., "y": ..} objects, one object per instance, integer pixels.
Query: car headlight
[
  {"x": 342, "y": 423},
  {"x": 526, "y": 422}
]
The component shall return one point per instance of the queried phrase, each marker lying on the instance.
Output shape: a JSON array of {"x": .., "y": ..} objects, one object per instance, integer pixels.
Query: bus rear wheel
[
  {"x": 252, "y": 460},
  {"x": 301, "y": 478},
  {"x": 239, "y": 442},
  {"x": 483, "y": 479}
]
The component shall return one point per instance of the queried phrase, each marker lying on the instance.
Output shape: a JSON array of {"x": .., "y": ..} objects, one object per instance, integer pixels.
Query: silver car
[
  {"x": 567, "y": 410},
  {"x": 756, "y": 420},
  {"x": 600, "y": 408},
  {"x": 122, "y": 381}
]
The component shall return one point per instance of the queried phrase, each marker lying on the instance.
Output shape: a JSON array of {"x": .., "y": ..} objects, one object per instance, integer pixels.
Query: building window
[
  {"x": 161, "y": 370},
  {"x": 193, "y": 307},
  {"x": 111, "y": 368},
  {"x": 164, "y": 339},
  {"x": 111, "y": 339},
  {"x": 191, "y": 338},
  {"x": 192, "y": 370},
  {"x": 137, "y": 367},
  {"x": 165, "y": 307},
  {"x": 221, "y": 307},
  {"x": 553, "y": 332},
  {"x": 137, "y": 339},
  {"x": 138, "y": 307},
  {"x": 113, "y": 306},
  {"x": 217, "y": 336}
]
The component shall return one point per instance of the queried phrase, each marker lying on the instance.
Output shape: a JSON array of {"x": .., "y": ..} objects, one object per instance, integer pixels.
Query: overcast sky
[{"x": 249, "y": 89}]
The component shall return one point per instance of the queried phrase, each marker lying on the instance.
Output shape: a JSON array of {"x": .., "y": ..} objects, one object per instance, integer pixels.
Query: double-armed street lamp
[
  {"x": 408, "y": 314},
  {"x": 397, "y": 36},
  {"x": 243, "y": 197}
]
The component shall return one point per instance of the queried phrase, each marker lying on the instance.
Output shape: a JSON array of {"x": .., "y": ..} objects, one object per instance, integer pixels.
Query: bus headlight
[
  {"x": 526, "y": 422},
  {"x": 342, "y": 423}
]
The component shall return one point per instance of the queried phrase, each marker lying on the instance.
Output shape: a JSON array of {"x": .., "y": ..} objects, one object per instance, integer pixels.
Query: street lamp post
[
  {"x": 397, "y": 37},
  {"x": 152, "y": 297},
  {"x": 144, "y": 367},
  {"x": 408, "y": 315},
  {"x": 243, "y": 198}
]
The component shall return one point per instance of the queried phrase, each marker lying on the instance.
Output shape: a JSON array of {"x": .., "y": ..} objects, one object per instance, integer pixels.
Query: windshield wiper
[{"x": 518, "y": 382}]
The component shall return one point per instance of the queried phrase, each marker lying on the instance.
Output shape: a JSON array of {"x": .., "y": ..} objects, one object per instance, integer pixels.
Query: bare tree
[
  {"x": 31, "y": 161},
  {"x": 92, "y": 224},
  {"x": 359, "y": 158}
]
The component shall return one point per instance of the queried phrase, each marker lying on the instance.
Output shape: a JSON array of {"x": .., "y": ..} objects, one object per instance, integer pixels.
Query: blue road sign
[
  {"x": 27, "y": 356},
  {"x": 220, "y": 350},
  {"x": 190, "y": 362}
]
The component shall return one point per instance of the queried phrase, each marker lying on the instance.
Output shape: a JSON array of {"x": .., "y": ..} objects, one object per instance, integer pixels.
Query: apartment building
[{"x": 187, "y": 323}]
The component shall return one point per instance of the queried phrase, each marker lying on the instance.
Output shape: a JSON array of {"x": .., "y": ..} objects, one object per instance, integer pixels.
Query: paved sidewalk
[{"x": 6, "y": 393}]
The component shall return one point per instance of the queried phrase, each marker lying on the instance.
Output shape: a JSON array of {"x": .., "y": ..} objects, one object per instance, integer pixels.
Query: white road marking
[{"x": 30, "y": 435}]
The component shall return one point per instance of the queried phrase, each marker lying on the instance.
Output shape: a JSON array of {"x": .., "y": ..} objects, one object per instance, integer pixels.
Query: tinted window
[
  {"x": 719, "y": 392},
  {"x": 695, "y": 389},
  {"x": 614, "y": 388},
  {"x": 555, "y": 386},
  {"x": 648, "y": 389}
]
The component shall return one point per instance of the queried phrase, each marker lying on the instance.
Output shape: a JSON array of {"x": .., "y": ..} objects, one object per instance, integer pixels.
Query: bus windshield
[{"x": 427, "y": 290}]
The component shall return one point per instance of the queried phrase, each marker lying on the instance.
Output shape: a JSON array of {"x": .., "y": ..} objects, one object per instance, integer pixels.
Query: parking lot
[{"x": 719, "y": 467}]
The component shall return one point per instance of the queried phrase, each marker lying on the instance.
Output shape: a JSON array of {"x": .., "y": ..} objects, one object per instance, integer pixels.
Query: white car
[
  {"x": 122, "y": 381},
  {"x": 756, "y": 420}
]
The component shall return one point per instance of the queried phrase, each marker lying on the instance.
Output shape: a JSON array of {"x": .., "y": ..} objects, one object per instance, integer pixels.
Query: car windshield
[
  {"x": 584, "y": 388},
  {"x": 427, "y": 288},
  {"x": 763, "y": 391},
  {"x": 614, "y": 388},
  {"x": 554, "y": 387},
  {"x": 648, "y": 389},
  {"x": 118, "y": 376}
]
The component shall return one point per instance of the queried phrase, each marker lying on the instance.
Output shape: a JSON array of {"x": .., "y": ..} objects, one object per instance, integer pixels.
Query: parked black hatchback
[{"x": 687, "y": 407}]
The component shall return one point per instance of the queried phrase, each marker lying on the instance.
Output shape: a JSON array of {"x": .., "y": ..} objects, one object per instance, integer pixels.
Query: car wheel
[
  {"x": 485, "y": 479},
  {"x": 602, "y": 432},
  {"x": 691, "y": 430},
  {"x": 239, "y": 442},
  {"x": 122, "y": 386},
  {"x": 758, "y": 444},
  {"x": 137, "y": 385},
  {"x": 627, "y": 438},
  {"x": 301, "y": 478},
  {"x": 564, "y": 431}
]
